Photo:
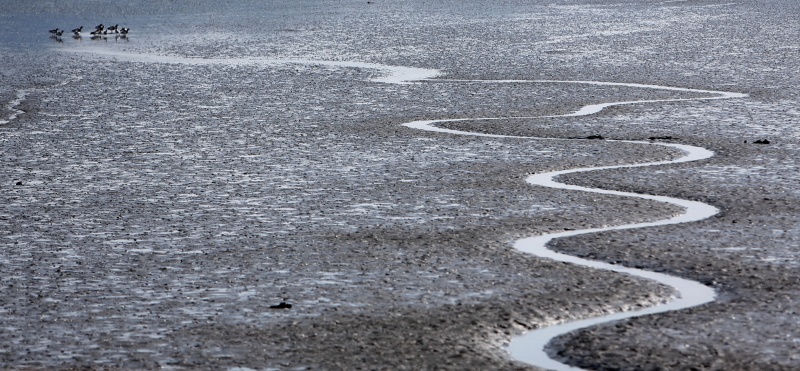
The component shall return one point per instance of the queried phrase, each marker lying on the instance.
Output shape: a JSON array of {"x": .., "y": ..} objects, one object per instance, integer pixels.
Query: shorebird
[
  {"x": 59, "y": 33},
  {"x": 77, "y": 31},
  {"x": 54, "y": 31},
  {"x": 124, "y": 30},
  {"x": 113, "y": 28}
]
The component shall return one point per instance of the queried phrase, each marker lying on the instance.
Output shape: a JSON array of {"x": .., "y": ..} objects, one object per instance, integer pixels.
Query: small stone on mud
[{"x": 282, "y": 305}]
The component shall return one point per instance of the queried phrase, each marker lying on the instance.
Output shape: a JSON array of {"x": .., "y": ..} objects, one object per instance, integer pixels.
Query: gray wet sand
[{"x": 152, "y": 213}]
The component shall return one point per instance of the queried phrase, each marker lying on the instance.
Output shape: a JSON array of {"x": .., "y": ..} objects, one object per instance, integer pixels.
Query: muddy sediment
[{"x": 153, "y": 213}]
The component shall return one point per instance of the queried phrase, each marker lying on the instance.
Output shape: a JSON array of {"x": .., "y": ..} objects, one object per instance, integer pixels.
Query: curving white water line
[
  {"x": 12, "y": 106},
  {"x": 21, "y": 95},
  {"x": 396, "y": 74},
  {"x": 530, "y": 347}
]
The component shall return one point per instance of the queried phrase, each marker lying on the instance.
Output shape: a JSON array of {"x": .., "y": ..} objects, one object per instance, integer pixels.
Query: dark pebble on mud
[{"x": 282, "y": 305}]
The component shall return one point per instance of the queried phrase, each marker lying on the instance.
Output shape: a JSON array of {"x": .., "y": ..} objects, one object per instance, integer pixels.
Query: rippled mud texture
[{"x": 152, "y": 212}]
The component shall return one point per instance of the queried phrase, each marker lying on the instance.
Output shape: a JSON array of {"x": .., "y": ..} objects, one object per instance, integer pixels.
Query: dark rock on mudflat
[{"x": 282, "y": 305}]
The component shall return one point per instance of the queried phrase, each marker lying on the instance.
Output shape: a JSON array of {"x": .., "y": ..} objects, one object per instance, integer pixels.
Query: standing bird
[
  {"x": 77, "y": 31},
  {"x": 98, "y": 30},
  {"x": 124, "y": 30},
  {"x": 54, "y": 31}
]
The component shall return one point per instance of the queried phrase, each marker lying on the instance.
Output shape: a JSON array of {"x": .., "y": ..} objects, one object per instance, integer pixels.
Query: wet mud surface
[{"x": 152, "y": 213}]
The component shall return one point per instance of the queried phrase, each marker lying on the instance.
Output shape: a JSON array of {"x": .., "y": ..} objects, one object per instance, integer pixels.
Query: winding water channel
[{"x": 530, "y": 347}]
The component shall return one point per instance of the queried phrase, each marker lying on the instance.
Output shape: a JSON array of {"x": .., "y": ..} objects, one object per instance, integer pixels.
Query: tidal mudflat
[{"x": 164, "y": 191}]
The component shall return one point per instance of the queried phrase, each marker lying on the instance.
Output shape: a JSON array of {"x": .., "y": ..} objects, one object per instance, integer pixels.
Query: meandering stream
[{"x": 530, "y": 347}]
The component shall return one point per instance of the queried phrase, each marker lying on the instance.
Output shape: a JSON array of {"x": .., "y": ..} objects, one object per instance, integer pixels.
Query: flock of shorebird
[{"x": 99, "y": 31}]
